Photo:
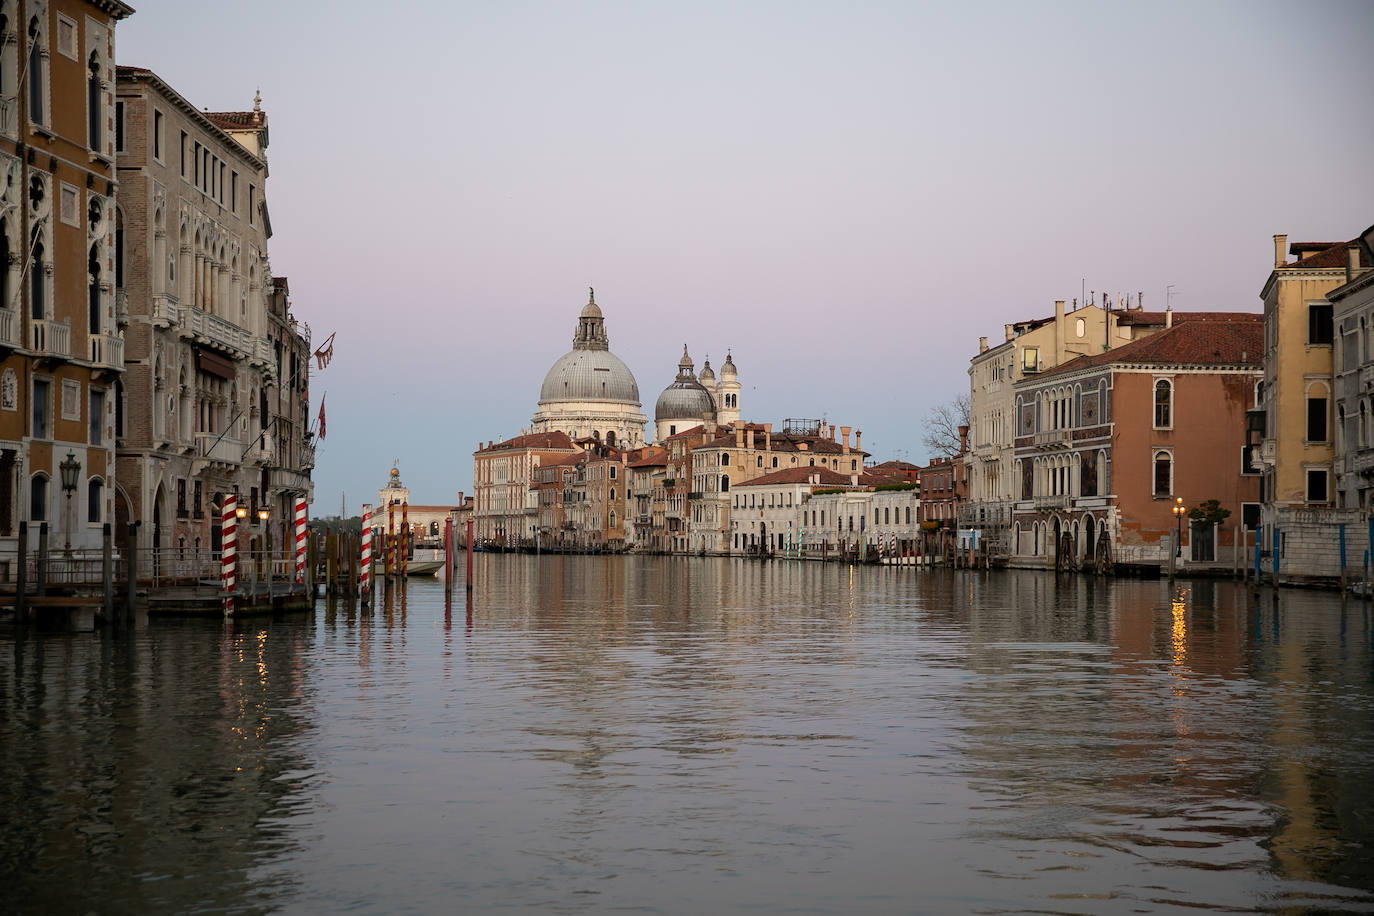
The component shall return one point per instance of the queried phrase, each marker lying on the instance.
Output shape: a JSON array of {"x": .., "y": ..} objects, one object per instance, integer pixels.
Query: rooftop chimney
[
  {"x": 1059, "y": 309},
  {"x": 739, "y": 436},
  {"x": 1011, "y": 332},
  {"x": 982, "y": 345},
  {"x": 1280, "y": 255},
  {"x": 963, "y": 439},
  {"x": 844, "y": 431},
  {"x": 858, "y": 434},
  {"x": 1169, "y": 316},
  {"x": 1352, "y": 261}
]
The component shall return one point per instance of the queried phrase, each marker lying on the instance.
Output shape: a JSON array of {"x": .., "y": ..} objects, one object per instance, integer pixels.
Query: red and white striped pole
[
  {"x": 390, "y": 539},
  {"x": 405, "y": 537},
  {"x": 365, "y": 566},
  {"x": 228, "y": 526},
  {"x": 300, "y": 540}
]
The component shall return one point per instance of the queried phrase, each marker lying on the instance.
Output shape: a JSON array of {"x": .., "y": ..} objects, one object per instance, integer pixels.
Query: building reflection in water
[
  {"x": 147, "y": 773},
  {"x": 1159, "y": 726}
]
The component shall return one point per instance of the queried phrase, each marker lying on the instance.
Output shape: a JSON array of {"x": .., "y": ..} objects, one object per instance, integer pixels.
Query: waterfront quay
[{"x": 685, "y": 735}]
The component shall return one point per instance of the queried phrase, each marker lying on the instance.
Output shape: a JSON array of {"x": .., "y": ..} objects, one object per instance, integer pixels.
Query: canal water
[{"x": 660, "y": 735}]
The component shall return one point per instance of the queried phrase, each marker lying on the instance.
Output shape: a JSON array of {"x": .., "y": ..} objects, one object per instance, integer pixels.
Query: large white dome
[{"x": 589, "y": 375}]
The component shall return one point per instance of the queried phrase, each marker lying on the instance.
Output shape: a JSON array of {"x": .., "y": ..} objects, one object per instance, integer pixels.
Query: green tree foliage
[{"x": 1209, "y": 511}]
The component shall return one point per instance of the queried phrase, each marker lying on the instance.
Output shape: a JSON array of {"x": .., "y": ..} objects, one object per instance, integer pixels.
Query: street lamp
[
  {"x": 263, "y": 514},
  {"x": 70, "y": 469},
  {"x": 1179, "y": 512}
]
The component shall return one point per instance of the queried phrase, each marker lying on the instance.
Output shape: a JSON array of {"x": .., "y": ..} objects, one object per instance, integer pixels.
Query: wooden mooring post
[
  {"x": 107, "y": 571},
  {"x": 41, "y": 573},
  {"x": 21, "y": 578}
]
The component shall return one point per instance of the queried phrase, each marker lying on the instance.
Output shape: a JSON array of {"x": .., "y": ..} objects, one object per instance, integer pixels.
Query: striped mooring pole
[
  {"x": 300, "y": 540},
  {"x": 365, "y": 566},
  {"x": 228, "y": 550},
  {"x": 405, "y": 538}
]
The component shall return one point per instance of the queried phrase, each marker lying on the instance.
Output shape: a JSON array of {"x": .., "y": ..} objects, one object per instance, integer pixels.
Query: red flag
[
  {"x": 322, "y": 397},
  {"x": 325, "y": 352}
]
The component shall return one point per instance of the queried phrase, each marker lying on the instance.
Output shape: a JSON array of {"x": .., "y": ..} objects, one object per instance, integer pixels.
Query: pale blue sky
[{"x": 846, "y": 194}]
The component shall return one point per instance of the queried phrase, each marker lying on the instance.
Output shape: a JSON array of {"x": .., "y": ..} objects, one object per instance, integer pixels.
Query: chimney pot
[
  {"x": 844, "y": 431},
  {"x": 858, "y": 435},
  {"x": 1280, "y": 254}
]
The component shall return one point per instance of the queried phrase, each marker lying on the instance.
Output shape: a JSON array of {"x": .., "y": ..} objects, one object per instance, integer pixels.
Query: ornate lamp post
[
  {"x": 71, "y": 469},
  {"x": 1179, "y": 512}
]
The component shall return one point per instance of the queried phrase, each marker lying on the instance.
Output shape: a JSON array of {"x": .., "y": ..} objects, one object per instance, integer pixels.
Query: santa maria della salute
[{"x": 589, "y": 393}]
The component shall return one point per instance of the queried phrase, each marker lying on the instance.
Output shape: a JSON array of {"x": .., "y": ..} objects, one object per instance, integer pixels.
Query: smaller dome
[
  {"x": 727, "y": 369},
  {"x": 685, "y": 399},
  {"x": 707, "y": 375},
  {"x": 591, "y": 309}
]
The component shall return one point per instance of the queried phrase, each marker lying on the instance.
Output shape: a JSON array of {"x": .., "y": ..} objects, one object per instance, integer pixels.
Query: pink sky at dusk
[{"x": 845, "y": 195}]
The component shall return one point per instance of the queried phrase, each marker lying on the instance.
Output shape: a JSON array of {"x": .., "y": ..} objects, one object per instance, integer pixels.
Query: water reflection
[{"x": 688, "y": 735}]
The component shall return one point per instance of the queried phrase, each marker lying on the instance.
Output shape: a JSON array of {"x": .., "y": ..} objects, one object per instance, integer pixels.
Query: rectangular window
[
  {"x": 1250, "y": 515},
  {"x": 1316, "y": 485},
  {"x": 1319, "y": 327},
  {"x": 233, "y": 192},
  {"x": 181, "y": 497},
  {"x": 42, "y": 409},
  {"x": 195, "y": 179},
  {"x": 1247, "y": 460},
  {"x": 119, "y": 127},
  {"x": 95, "y": 502},
  {"x": 253, "y": 221},
  {"x": 96, "y": 420},
  {"x": 1030, "y": 359},
  {"x": 1316, "y": 419},
  {"x": 157, "y": 135},
  {"x": 183, "y": 154}
]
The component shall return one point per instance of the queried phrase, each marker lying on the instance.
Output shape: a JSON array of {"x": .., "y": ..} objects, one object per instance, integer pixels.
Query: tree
[
  {"x": 942, "y": 424},
  {"x": 1209, "y": 511}
]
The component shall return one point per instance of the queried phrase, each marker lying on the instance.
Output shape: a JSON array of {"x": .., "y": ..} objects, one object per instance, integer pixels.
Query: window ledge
[{"x": 42, "y": 130}]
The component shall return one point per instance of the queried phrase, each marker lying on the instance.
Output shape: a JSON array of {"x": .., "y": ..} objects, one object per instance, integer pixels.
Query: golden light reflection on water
[{"x": 1178, "y": 629}]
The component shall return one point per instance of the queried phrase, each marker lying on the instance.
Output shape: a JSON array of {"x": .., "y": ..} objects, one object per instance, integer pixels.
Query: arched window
[
  {"x": 37, "y": 279},
  {"x": 93, "y": 288},
  {"x": 35, "y": 75},
  {"x": 38, "y": 498},
  {"x": 612, "y": 495},
  {"x": 1164, "y": 474},
  {"x": 1081, "y": 327},
  {"x": 93, "y": 106},
  {"x": 724, "y": 459},
  {"x": 610, "y": 437},
  {"x": 725, "y": 483},
  {"x": 612, "y": 518},
  {"x": 95, "y": 501},
  {"x": 1164, "y": 398}
]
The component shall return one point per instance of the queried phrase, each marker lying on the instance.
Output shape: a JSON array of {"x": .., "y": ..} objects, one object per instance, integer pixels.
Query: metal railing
[{"x": 219, "y": 448}]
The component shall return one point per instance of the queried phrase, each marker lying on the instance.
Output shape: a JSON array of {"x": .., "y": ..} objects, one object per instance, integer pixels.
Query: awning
[{"x": 215, "y": 364}]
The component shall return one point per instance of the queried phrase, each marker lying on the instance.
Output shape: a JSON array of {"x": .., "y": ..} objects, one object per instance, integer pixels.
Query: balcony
[
  {"x": 9, "y": 328},
  {"x": 1362, "y": 462},
  {"x": 165, "y": 311},
  {"x": 50, "y": 338},
  {"x": 217, "y": 449},
  {"x": 106, "y": 351},
  {"x": 1053, "y": 439},
  {"x": 1053, "y": 502},
  {"x": 214, "y": 330},
  {"x": 287, "y": 479}
]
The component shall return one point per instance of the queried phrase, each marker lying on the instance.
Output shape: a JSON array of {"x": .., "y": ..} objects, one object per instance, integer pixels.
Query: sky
[{"x": 846, "y": 196}]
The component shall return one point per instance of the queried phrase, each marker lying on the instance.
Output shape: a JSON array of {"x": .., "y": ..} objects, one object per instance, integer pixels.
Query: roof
[
  {"x": 554, "y": 440},
  {"x": 237, "y": 120},
  {"x": 1237, "y": 341},
  {"x": 656, "y": 459},
  {"x": 825, "y": 477},
  {"x": 1322, "y": 255},
  {"x": 896, "y": 466},
  {"x": 206, "y": 118}
]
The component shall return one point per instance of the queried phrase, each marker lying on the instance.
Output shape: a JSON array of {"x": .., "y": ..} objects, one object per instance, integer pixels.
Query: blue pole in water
[
  {"x": 1277, "y": 541},
  {"x": 1342, "y": 540}
]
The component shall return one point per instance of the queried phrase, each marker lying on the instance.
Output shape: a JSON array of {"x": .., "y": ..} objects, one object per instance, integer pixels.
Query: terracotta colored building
[{"x": 1107, "y": 444}]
